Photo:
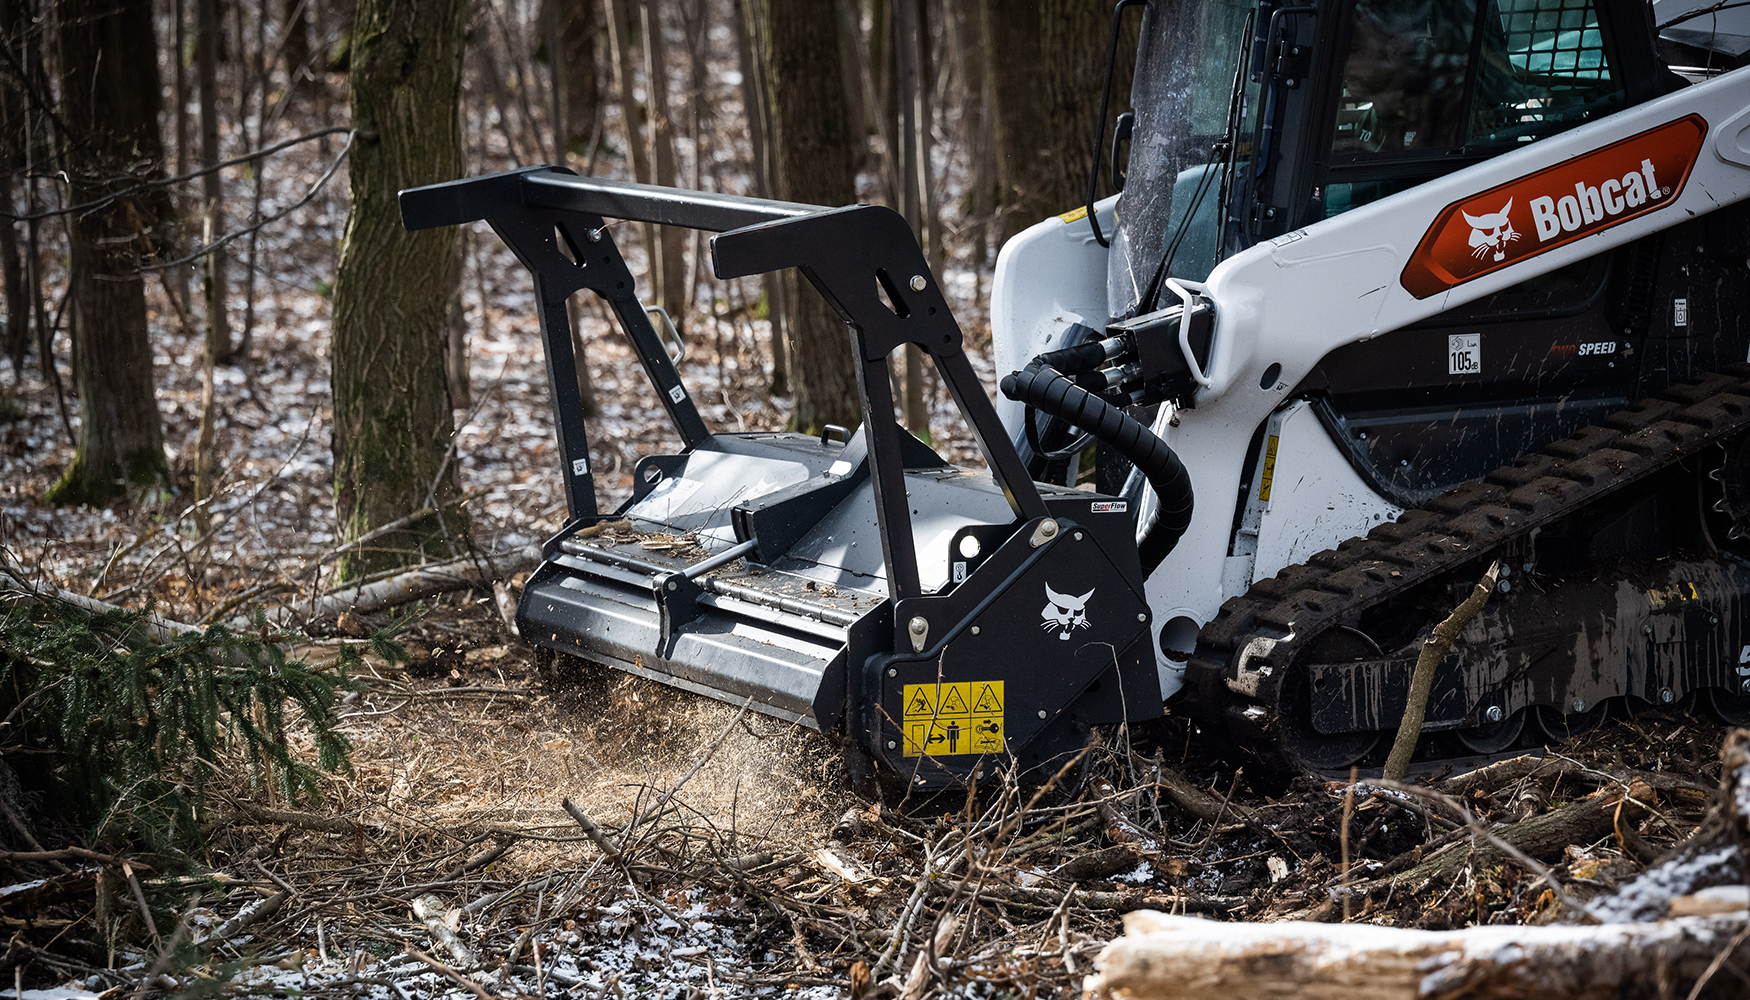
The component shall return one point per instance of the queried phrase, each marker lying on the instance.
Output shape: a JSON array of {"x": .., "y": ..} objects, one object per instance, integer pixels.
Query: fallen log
[
  {"x": 160, "y": 629},
  {"x": 421, "y": 582},
  {"x": 1164, "y": 957}
]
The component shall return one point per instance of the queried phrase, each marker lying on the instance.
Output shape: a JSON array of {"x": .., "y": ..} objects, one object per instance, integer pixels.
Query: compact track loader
[{"x": 1393, "y": 289}]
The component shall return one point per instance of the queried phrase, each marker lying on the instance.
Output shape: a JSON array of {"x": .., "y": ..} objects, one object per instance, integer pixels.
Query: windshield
[{"x": 1182, "y": 90}]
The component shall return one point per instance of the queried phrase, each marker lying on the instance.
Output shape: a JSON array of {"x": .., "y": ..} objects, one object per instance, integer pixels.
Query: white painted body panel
[
  {"x": 1049, "y": 277},
  {"x": 1316, "y": 499},
  {"x": 1293, "y": 300}
]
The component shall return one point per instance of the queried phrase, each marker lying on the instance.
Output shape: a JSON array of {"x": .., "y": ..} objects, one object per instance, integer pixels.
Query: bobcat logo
[
  {"x": 1064, "y": 612},
  {"x": 1491, "y": 233}
]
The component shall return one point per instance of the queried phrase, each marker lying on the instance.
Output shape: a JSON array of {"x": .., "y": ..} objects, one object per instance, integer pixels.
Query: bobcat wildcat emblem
[
  {"x": 1491, "y": 233},
  {"x": 1064, "y": 612}
]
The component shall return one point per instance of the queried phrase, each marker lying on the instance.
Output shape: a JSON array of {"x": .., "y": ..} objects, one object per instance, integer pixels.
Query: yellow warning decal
[
  {"x": 1269, "y": 469},
  {"x": 1075, "y": 216},
  {"x": 1677, "y": 593},
  {"x": 942, "y": 720}
]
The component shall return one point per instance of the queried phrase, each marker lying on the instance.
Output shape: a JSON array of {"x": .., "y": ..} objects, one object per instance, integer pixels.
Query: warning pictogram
[{"x": 939, "y": 722}]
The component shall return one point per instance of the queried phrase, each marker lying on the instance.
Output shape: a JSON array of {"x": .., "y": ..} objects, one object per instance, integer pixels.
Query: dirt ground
[{"x": 742, "y": 865}]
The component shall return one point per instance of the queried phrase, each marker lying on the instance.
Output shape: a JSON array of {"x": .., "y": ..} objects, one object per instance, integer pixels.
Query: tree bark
[
  {"x": 209, "y": 34},
  {"x": 110, "y": 88},
  {"x": 12, "y": 271},
  {"x": 295, "y": 29},
  {"x": 812, "y": 161},
  {"x": 668, "y": 267},
  {"x": 978, "y": 201},
  {"x": 392, "y": 420},
  {"x": 184, "y": 214},
  {"x": 758, "y": 112},
  {"x": 1045, "y": 91},
  {"x": 580, "y": 27},
  {"x": 912, "y": 138}
]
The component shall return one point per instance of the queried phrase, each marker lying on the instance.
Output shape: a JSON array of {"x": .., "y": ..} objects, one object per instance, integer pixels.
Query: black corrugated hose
[{"x": 1044, "y": 388}]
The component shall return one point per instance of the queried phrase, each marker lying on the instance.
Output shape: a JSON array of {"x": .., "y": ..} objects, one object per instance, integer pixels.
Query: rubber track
[{"x": 1458, "y": 527}]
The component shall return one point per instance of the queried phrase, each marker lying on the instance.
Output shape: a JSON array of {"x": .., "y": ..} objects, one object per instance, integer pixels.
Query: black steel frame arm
[
  {"x": 553, "y": 221},
  {"x": 852, "y": 255}
]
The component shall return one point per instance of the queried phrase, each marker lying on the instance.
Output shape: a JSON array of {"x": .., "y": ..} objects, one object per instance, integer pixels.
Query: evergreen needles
[{"x": 120, "y": 730}]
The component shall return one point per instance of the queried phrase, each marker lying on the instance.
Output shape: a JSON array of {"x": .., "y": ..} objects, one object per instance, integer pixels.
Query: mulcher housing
[{"x": 941, "y": 619}]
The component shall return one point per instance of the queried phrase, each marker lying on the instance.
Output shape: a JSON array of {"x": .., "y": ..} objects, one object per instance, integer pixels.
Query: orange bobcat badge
[{"x": 1523, "y": 218}]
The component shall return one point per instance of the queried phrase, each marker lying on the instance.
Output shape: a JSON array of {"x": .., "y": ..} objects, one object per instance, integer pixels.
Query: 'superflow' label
[{"x": 1464, "y": 354}]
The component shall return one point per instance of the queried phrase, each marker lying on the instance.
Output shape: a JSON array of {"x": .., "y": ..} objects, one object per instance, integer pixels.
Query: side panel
[
  {"x": 1310, "y": 497},
  {"x": 1049, "y": 278}
]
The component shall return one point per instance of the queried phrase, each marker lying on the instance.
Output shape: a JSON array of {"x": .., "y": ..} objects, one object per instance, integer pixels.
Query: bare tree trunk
[
  {"x": 206, "y": 46},
  {"x": 978, "y": 200},
  {"x": 456, "y": 331},
  {"x": 620, "y": 25},
  {"x": 17, "y": 340},
  {"x": 392, "y": 420},
  {"x": 579, "y": 25},
  {"x": 758, "y": 112},
  {"x": 698, "y": 114},
  {"x": 908, "y": 47},
  {"x": 1049, "y": 59},
  {"x": 184, "y": 214},
  {"x": 812, "y": 159},
  {"x": 669, "y": 280},
  {"x": 110, "y": 88},
  {"x": 12, "y": 160},
  {"x": 586, "y": 400},
  {"x": 295, "y": 29}
]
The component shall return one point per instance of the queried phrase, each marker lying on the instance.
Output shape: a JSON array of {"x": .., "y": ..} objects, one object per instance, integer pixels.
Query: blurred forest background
[{"x": 217, "y": 335}]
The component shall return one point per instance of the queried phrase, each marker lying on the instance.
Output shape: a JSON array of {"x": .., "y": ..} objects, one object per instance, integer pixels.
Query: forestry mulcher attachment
[{"x": 1395, "y": 288}]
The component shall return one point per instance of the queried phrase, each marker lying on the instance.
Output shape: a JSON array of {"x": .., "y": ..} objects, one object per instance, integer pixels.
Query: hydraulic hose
[{"x": 1044, "y": 388}]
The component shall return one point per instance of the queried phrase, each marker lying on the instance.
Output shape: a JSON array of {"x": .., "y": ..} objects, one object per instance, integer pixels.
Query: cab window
[{"x": 1428, "y": 76}]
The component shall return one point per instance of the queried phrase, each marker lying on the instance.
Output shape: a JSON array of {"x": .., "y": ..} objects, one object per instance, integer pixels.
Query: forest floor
[
  {"x": 730, "y": 858},
  {"x": 721, "y": 853}
]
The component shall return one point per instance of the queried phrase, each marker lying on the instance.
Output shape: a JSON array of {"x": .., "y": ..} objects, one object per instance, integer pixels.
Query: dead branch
[
  {"x": 430, "y": 911},
  {"x": 1579, "y": 822},
  {"x": 1422, "y": 681}
]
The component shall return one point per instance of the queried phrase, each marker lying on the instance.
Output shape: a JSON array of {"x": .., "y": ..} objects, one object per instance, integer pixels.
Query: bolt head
[
  {"x": 1646, "y": 630},
  {"x": 1078, "y": 536},
  {"x": 917, "y": 626},
  {"x": 1579, "y": 704},
  {"x": 892, "y": 744},
  {"x": 1666, "y": 696},
  {"x": 1504, "y": 586},
  {"x": 918, "y": 283},
  {"x": 891, "y": 672},
  {"x": 1744, "y": 686},
  {"x": 1042, "y": 713},
  {"x": 1493, "y": 713},
  {"x": 1048, "y": 528},
  {"x": 1142, "y": 616},
  {"x": 975, "y": 630}
]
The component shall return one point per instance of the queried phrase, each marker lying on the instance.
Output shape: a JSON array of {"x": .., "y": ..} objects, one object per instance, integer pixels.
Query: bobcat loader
[{"x": 1393, "y": 289}]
